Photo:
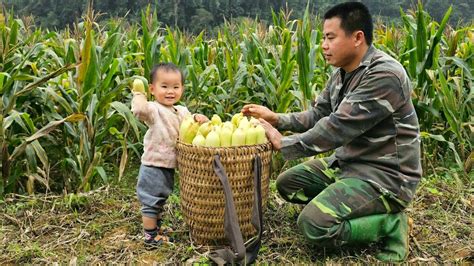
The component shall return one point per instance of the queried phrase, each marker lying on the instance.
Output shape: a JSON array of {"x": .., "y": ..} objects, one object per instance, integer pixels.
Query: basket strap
[
  {"x": 231, "y": 223},
  {"x": 247, "y": 253},
  {"x": 253, "y": 245}
]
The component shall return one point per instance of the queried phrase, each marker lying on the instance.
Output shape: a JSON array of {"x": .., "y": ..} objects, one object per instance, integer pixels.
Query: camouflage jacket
[{"x": 368, "y": 118}]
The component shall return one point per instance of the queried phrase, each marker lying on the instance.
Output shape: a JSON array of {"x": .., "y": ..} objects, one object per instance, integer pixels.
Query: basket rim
[{"x": 179, "y": 142}]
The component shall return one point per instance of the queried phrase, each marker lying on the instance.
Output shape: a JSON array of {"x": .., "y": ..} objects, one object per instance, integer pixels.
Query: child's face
[{"x": 167, "y": 87}]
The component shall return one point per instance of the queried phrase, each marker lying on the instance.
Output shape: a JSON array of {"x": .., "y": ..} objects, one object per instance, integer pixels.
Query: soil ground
[{"x": 104, "y": 226}]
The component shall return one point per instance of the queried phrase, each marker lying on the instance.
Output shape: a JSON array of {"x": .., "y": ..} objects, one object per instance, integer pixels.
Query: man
[{"x": 366, "y": 115}]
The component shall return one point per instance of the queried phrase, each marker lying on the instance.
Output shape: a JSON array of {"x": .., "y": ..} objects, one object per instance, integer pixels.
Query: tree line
[{"x": 197, "y": 15}]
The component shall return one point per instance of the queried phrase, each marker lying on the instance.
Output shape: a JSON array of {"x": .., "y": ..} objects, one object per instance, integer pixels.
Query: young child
[{"x": 155, "y": 179}]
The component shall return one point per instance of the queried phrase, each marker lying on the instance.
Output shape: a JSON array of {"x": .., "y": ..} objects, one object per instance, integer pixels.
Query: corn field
[{"x": 65, "y": 122}]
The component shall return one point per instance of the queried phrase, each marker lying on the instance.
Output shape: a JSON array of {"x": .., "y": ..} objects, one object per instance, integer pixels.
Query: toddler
[{"x": 163, "y": 117}]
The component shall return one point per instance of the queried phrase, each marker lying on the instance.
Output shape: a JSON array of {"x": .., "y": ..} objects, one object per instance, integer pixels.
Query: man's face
[{"x": 338, "y": 47}]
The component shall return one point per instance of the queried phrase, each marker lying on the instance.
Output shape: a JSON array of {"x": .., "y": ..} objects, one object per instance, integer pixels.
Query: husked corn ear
[
  {"x": 185, "y": 124},
  {"x": 138, "y": 86},
  {"x": 191, "y": 133},
  {"x": 244, "y": 123},
  {"x": 212, "y": 139},
  {"x": 229, "y": 125},
  {"x": 251, "y": 136},
  {"x": 261, "y": 136},
  {"x": 216, "y": 120},
  {"x": 226, "y": 137},
  {"x": 205, "y": 128},
  {"x": 238, "y": 137},
  {"x": 199, "y": 140},
  {"x": 236, "y": 119}
]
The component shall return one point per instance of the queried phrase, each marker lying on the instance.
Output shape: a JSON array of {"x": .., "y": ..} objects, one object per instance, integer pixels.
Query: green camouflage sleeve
[
  {"x": 377, "y": 96},
  {"x": 302, "y": 121}
]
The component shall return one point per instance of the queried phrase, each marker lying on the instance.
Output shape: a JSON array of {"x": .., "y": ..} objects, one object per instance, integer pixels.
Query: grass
[{"x": 104, "y": 225}]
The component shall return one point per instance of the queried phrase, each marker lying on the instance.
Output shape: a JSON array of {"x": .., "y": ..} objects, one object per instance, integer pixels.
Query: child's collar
[{"x": 172, "y": 107}]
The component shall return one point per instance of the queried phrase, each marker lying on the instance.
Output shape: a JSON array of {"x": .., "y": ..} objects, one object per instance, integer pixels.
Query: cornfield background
[
  {"x": 65, "y": 118},
  {"x": 66, "y": 125}
]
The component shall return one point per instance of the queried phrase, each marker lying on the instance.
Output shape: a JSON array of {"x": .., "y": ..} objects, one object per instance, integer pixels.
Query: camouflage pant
[{"x": 331, "y": 201}]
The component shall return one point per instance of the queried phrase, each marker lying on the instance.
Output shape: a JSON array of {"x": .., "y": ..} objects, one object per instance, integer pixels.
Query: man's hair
[
  {"x": 167, "y": 67},
  {"x": 354, "y": 16}
]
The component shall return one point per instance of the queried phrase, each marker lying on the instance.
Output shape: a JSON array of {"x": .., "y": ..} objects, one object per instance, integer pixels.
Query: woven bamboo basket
[{"x": 202, "y": 195}]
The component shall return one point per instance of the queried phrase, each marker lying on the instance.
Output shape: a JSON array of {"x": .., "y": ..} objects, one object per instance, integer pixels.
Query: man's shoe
[{"x": 391, "y": 229}]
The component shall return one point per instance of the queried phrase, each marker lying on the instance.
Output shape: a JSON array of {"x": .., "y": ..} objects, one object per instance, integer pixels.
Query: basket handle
[{"x": 245, "y": 253}]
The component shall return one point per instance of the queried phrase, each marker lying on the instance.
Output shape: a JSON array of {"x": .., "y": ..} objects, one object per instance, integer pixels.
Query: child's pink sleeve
[{"x": 142, "y": 109}]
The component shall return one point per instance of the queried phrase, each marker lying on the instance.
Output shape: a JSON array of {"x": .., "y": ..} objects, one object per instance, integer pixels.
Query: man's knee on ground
[{"x": 320, "y": 228}]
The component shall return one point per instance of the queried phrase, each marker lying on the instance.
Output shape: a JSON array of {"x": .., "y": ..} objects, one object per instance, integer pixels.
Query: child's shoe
[
  {"x": 163, "y": 230},
  {"x": 155, "y": 242}
]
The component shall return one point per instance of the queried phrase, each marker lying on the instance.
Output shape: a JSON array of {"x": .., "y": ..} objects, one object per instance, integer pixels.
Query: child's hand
[{"x": 200, "y": 118}]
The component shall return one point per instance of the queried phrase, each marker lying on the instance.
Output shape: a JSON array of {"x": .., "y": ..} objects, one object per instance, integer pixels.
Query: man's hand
[
  {"x": 272, "y": 134},
  {"x": 259, "y": 111},
  {"x": 200, "y": 118}
]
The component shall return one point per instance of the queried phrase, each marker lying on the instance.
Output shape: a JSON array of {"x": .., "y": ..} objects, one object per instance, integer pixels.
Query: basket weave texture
[{"x": 202, "y": 194}]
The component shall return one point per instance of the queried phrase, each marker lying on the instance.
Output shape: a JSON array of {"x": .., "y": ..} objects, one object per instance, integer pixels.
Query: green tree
[{"x": 197, "y": 15}]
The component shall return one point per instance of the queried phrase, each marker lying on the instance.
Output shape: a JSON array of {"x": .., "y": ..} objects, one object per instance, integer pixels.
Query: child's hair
[
  {"x": 354, "y": 16},
  {"x": 167, "y": 67}
]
